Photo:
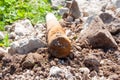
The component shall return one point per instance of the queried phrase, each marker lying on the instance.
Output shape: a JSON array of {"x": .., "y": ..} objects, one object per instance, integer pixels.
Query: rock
[
  {"x": 9, "y": 28},
  {"x": 88, "y": 21},
  {"x": 26, "y": 45},
  {"x": 104, "y": 7},
  {"x": 62, "y": 22},
  {"x": 63, "y": 72},
  {"x": 68, "y": 32},
  {"x": 116, "y": 3},
  {"x": 69, "y": 19},
  {"x": 95, "y": 7},
  {"x": 85, "y": 13},
  {"x": 68, "y": 74},
  {"x": 52, "y": 63},
  {"x": 117, "y": 12},
  {"x": 23, "y": 27},
  {"x": 37, "y": 77},
  {"x": 28, "y": 65},
  {"x": 1, "y": 75},
  {"x": 12, "y": 35},
  {"x": 2, "y": 50},
  {"x": 12, "y": 69},
  {"x": 40, "y": 30},
  {"x": 77, "y": 21},
  {"x": 75, "y": 10},
  {"x": 98, "y": 78},
  {"x": 7, "y": 59},
  {"x": 55, "y": 71},
  {"x": 37, "y": 57},
  {"x": 117, "y": 54},
  {"x": 39, "y": 27},
  {"x": 96, "y": 35},
  {"x": 110, "y": 6},
  {"x": 17, "y": 59},
  {"x": 84, "y": 70},
  {"x": 113, "y": 77},
  {"x": 68, "y": 3},
  {"x": 63, "y": 11},
  {"x": 26, "y": 75},
  {"x": 31, "y": 59},
  {"x": 112, "y": 13},
  {"x": 106, "y": 62},
  {"x": 92, "y": 64},
  {"x": 57, "y": 3},
  {"x": 106, "y": 17},
  {"x": 78, "y": 76},
  {"x": 1, "y": 35},
  {"x": 93, "y": 73},
  {"x": 2, "y": 53},
  {"x": 114, "y": 26}
]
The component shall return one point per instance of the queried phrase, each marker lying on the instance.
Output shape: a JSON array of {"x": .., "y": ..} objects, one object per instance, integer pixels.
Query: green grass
[{"x": 13, "y": 10}]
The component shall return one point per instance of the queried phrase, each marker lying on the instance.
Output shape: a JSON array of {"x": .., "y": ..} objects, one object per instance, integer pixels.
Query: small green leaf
[{"x": 6, "y": 40}]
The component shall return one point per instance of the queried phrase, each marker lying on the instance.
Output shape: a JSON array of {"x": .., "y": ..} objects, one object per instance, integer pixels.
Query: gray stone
[
  {"x": 39, "y": 27},
  {"x": 37, "y": 78},
  {"x": 106, "y": 17},
  {"x": 75, "y": 10},
  {"x": 68, "y": 74},
  {"x": 93, "y": 73},
  {"x": 68, "y": 3},
  {"x": 31, "y": 59},
  {"x": 114, "y": 26},
  {"x": 2, "y": 53},
  {"x": 40, "y": 30},
  {"x": 9, "y": 28},
  {"x": 1, "y": 75},
  {"x": 63, "y": 10},
  {"x": 55, "y": 71},
  {"x": 117, "y": 12},
  {"x": 61, "y": 72},
  {"x": 68, "y": 32},
  {"x": 99, "y": 78},
  {"x": 97, "y": 35},
  {"x": 89, "y": 7},
  {"x": 88, "y": 21},
  {"x": 113, "y": 77},
  {"x": 57, "y": 3},
  {"x": 12, "y": 35},
  {"x": 26, "y": 45},
  {"x": 1, "y": 35},
  {"x": 37, "y": 57},
  {"x": 23, "y": 27},
  {"x": 3, "y": 50},
  {"x": 103, "y": 78},
  {"x": 84, "y": 70},
  {"x": 110, "y": 6},
  {"x": 116, "y": 3},
  {"x": 52, "y": 63},
  {"x": 95, "y": 78},
  {"x": 85, "y": 13},
  {"x": 69, "y": 19},
  {"x": 106, "y": 61},
  {"x": 77, "y": 21},
  {"x": 92, "y": 64}
]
